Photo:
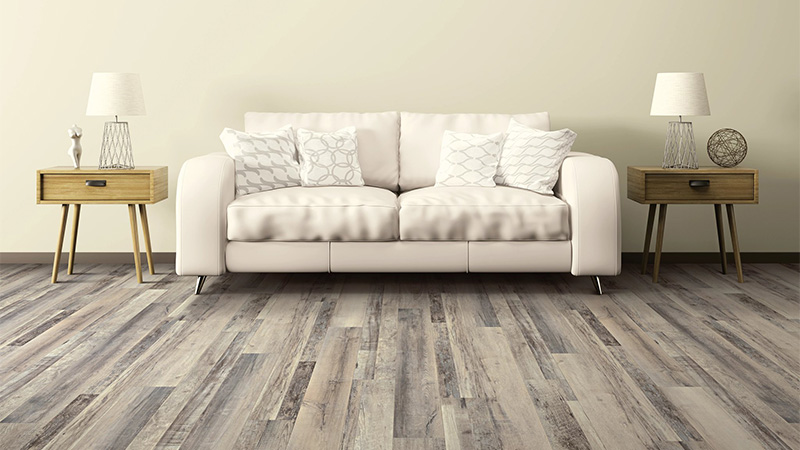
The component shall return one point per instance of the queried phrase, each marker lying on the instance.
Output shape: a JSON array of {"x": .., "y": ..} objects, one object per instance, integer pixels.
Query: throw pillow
[
  {"x": 329, "y": 159},
  {"x": 530, "y": 158},
  {"x": 468, "y": 159},
  {"x": 263, "y": 161}
]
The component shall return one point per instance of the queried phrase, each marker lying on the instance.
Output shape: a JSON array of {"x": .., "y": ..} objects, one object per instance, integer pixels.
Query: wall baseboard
[
  {"x": 713, "y": 257},
  {"x": 169, "y": 257},
  {"x": 83, "y": 257}
]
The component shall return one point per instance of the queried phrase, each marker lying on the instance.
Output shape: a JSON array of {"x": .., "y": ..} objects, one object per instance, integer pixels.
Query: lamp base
[
  {"x": 679, "y": 151},
  {"x": 116, "y": 152}
]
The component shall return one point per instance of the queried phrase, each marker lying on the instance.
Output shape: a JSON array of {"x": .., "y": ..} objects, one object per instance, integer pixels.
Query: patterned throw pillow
[
  {"x": 531, "y": 158},
  {"x": 329, "y": 159},
  {"x": 468, "y": 159},
  {"x": 263, "y": 161}
]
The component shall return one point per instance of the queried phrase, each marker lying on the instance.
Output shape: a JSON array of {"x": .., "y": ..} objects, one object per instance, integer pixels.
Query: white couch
[{"x": 398, "y": 221}]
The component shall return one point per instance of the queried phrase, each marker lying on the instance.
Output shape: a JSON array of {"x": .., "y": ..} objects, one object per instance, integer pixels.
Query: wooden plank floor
[{"x": 469, "y": 361}]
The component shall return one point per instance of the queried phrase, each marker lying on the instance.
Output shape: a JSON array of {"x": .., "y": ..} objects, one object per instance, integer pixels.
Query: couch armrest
[
  {"x": 206, "y": 186},
  {"x": 590, "y": 185}
]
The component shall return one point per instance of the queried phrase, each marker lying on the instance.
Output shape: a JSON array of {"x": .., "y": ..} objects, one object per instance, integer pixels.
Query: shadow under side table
[
  {"x": 707, "y": 185},
  {"x": 67, "y": 186}
]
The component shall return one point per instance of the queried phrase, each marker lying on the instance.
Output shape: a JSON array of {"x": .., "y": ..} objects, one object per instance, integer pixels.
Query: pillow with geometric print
[
  {"x": 263, "y": 161},
  {"x": 530, "y": 158},
  {"x": 329, "y": 158},
  {"x": 468, "y": 159}
]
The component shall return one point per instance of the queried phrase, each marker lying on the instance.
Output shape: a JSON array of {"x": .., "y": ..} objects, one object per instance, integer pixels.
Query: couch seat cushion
[
  {"x": 330, "y": 213},
  {"x": 482, "y": 214}
]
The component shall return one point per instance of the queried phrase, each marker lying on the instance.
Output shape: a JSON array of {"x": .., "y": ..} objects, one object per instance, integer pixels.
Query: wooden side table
[
  {"x": 707, "y": 185},
  {"x": 67, "y": 186}
]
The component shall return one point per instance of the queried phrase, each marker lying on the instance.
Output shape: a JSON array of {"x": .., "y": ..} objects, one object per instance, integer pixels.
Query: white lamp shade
[
  {"x": 680, "y": 94},
  {"x": 115, "y": 94}
]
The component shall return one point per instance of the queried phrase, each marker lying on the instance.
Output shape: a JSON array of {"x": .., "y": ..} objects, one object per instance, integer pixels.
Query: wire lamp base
[
  {"x": 116, "y": 153},
  {"x": 679, "y": 151}
]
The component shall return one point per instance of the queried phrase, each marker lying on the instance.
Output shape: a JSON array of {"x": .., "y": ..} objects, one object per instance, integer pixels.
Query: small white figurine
[{"x": 75, "y": 151}]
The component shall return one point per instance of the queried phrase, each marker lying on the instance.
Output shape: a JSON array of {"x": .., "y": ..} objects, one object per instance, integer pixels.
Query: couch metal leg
[
  {"x": 597, "y": 286},
  {"x": 199, "y": 286}
]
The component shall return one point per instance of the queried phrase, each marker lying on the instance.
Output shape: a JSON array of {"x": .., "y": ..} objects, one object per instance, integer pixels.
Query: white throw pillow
[
  {"x": 329, "y": 159},
  {"x": 531, "y": 158},
  {"x": 263, "y": 161},
  {"x": 468, "y": 159}
]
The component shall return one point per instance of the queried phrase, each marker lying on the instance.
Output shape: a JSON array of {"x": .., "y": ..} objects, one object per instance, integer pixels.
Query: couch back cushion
[
  {"x": 377, "y": 135},
  {"x": 421, "y": 139}
]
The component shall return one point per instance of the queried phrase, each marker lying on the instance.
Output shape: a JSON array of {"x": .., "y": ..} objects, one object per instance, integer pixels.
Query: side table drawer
[
  {"x": 88, "y": 187},
  {"x": 700, "y": 188}
]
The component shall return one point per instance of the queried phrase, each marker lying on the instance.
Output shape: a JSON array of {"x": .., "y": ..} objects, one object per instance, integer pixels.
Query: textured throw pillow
[
  {"x": 468, "y": 159},
  {"x": 329, "y": 159},
  {"x": 263, "y": 161},
  {"x": 530, "y": 158}
]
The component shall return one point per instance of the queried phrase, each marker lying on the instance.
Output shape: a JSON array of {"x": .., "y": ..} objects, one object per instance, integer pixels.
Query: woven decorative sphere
[{"x": 727, "y": 147}]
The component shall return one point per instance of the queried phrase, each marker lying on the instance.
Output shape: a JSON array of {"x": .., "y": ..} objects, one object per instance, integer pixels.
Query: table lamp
[
  {"x": 116, "y": 94},
  {"x": 680, "y": 94}
]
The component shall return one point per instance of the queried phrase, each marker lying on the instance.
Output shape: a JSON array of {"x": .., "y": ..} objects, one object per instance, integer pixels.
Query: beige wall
[{"x": 591, "y": 64}]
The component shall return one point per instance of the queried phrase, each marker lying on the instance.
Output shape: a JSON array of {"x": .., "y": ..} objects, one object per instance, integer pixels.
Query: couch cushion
[
  {"x": 377, "y": 138},
  {"x": 330, "y": 213},
  {"x": 482, "y": 214},
  {"x": 421, "y": 139}
]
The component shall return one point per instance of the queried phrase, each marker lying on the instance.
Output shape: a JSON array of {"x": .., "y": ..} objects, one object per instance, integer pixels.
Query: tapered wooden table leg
[
  {"x": 723, "y": 258},
  {"x": 648, "y": 234},
  {"x": 57, "y": 257},
  {"x": 735, "y": 242},
  {"x": 76, "y": 214},
  {"x": 146, "y": 233},
  {"x": 135, "y": 235},
  {"x": 662, "y": 221}
]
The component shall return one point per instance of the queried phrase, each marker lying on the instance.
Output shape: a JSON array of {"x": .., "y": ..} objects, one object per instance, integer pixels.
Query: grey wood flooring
[{"x": 470, "y": 361}]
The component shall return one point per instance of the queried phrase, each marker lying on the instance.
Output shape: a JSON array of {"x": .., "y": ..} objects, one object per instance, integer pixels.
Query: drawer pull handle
[
  {"x": 699, "y": 183},
  {"x": 96, "y": 183}
]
